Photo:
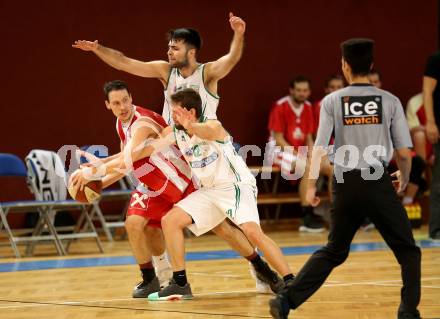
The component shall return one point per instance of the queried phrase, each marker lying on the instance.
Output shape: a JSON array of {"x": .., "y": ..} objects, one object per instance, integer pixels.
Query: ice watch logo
[{"x": 362, "y": 110}]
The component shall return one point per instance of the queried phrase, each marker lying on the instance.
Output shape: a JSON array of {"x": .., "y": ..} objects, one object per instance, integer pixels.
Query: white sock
[
  {"x": 407, "y": 200},
  {"x": 161, "y": 262}
]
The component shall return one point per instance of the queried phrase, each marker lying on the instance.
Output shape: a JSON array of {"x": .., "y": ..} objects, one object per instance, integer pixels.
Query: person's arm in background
[
  {"x": 430, "y": 79},
  {"x": 429, "y": 85}
]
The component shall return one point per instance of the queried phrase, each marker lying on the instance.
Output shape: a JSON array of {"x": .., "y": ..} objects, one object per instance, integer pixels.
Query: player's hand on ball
[
  {"x": 83, "y": 187},
  {"x": 77, "y": 180},
  {"x": 237, "y": 24},
  {"x": 311, "y": 197},
  {"x": 86, "y": 45}
]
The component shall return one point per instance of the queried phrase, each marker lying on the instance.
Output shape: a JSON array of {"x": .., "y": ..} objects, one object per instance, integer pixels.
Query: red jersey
[
  {"x": 294, "y": 123},
  {"x": 166, "y": 173}
]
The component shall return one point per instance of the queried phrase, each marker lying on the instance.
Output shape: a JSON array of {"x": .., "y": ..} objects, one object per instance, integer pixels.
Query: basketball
[{"x": 91, "y": 192}]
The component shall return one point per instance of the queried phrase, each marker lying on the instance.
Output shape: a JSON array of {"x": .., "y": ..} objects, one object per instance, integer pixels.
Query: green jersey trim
[
  {"x": 168, "y": 80},
  {"x": 237, "y": 198},
  {"x": 204, "y": 85},
  {"x": 237, "y": 176},
  {"x": 175, "y": 134}
]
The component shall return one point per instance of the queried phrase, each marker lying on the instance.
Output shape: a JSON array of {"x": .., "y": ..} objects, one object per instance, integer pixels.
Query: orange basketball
[{"x": 92, "y": 191}]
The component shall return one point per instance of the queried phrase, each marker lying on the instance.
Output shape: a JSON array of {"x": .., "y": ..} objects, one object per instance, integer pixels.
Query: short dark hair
[
  {"x": 358, "y": 53},
  {"x": 189, "y": 99},
  {"x": 374, "y": 71},
  {"x": 115, "y": 85},
  {"x": 333, "y": 77},
  {"x": 187, "y": 35},
  {"x": 298, "y": 79}
]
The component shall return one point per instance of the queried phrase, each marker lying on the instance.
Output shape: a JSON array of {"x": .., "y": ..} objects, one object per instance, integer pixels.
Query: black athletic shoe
[
  {"x": 143, "y": 289},
  {"x": 436, "y": 236},
  {"x": 270, "y": 277},
  {"x": 279, "y": 307},
  {"x": 408, "y": 315},
  {"x": 312, "y": 224},
  {"x": 172, "y": 292}
]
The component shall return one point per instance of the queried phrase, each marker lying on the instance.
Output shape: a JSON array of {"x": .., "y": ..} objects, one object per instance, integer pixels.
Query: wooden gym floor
[{"x": 90, "y": 285}]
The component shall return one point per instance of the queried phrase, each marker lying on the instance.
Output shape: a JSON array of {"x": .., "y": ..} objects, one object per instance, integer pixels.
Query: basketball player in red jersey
[{"x": 163, "y": 180}]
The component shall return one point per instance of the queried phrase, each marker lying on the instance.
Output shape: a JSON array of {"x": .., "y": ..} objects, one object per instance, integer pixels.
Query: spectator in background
[
  {"x": 431, "y": 101},
  {"x": 375, "y": 78},
  {"x": 333, "y": 83},
  {"x": 416, "y": 117},
  {"x": 291, "y": 124}
]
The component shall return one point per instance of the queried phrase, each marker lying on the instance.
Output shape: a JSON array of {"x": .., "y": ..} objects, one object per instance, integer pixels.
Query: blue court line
[{"x": 191, "y": 256}]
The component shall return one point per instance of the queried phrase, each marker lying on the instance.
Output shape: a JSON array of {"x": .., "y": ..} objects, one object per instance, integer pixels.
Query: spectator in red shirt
[{"x": 291, "y": 124}]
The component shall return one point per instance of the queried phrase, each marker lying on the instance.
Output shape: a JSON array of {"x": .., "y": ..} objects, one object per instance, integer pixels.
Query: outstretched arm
[
  {"x": 143, "y": 143},
  {"x": 117, "y": 59},
  {"x": 211, "y": 130},
  {"x": 218, "y": 69}
]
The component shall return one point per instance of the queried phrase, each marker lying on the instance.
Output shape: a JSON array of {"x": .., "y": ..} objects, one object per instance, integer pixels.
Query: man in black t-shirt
[{"x": 431, "y": 100}]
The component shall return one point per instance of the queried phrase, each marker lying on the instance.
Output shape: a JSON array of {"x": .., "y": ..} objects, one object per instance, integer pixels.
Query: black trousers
[{"x": 354, "y": 200}]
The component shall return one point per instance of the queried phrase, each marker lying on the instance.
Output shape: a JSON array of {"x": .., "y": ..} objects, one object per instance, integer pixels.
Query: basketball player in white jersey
[
  {"x": 228, "y": 190},
  {"x": 182, "y": 69}
]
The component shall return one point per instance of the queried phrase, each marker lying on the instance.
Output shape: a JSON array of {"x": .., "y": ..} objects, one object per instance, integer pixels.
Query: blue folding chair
[{"x": 11, "y": 165}]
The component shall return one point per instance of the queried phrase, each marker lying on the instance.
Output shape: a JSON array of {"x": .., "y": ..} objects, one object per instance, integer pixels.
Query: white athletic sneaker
[
  {"x": 164, "y": 275},
  {"x": 163, "y": 269},
  {"x": 260, "y": 286}
]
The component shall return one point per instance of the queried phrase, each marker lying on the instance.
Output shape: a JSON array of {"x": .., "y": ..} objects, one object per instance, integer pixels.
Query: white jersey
[
  {"x": 214, "y": 163},
  {"x": 176, "y": 82}
]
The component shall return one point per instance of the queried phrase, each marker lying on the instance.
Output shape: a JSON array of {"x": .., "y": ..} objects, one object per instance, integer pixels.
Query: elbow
[{"x": 404, "y": 155}]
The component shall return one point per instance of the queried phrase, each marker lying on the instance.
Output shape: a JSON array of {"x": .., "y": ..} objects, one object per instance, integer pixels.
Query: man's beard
[
  {"x": 298, "y": 101},
  {"x": 180, "y": 64}
]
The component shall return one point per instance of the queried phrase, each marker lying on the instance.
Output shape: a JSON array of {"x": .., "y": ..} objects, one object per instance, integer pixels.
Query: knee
[
  {"x": 254, "y": 234},
  {"x": 134, "y": 224},
  {"x": 419, "y": 138},
  {"x": 167, "y": 221},
  {"x": 337, "y": 255},
  {"x": 223, "y": 230},
  {"x": 153, "y": 232},
  {"x": 173, "y": 220}
]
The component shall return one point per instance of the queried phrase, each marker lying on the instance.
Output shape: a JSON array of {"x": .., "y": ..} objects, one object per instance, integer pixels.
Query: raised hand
[
  {"x": 183, "y": 116},
  {"x": 86, "y": 45},
  {"x": 237, "y": 23}
]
